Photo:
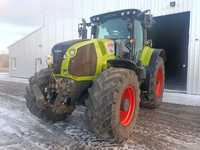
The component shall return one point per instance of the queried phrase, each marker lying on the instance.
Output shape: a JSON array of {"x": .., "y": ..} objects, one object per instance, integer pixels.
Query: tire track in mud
[
  {"x": 172, "y": 127},
  {"x": 16, "y": 121}
]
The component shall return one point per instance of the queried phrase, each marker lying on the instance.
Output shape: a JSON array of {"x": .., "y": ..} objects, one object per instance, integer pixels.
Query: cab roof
[{"x": 119, "y": 13}]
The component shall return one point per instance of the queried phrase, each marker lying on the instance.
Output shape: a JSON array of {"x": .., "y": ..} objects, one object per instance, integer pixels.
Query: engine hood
[
  {"x": 59, "y": 50},
  {"x": 82, "y": 60},
  {"x": 63, "y": 46}
]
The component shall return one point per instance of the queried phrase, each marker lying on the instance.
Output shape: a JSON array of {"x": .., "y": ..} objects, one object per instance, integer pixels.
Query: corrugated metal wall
[{"x": 61, "y": 24}]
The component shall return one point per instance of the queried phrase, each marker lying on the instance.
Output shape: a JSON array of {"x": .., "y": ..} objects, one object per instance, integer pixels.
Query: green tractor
[{"x": 113, "y": 73}]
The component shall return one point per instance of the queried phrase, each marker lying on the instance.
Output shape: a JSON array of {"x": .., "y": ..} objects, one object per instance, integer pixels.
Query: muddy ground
[{"x": 172, "y": 127}]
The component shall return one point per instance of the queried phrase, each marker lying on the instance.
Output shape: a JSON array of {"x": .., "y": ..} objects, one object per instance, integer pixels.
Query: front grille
[{"x": 85, "y": 61}]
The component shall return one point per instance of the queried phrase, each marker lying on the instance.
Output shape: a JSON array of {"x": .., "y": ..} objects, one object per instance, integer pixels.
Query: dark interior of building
[{"x": 171, "y": 32}]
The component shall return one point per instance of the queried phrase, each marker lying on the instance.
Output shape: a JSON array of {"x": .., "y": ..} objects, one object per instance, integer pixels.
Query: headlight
[
  {"x": 49, "y": 60},
  {"x": 122, "y": 13},
  {"x": 72, "y": 52}
]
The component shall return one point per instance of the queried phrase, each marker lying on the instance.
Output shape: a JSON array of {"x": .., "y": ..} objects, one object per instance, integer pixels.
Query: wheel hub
[
  {"x": 125, "y": 105},
  {"x": 128, "y": 105}
]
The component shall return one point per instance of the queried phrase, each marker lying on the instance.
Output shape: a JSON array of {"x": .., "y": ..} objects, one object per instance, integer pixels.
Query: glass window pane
[
  {"x": 138, "y": 34},
  {"x": 114, "y": 28}
]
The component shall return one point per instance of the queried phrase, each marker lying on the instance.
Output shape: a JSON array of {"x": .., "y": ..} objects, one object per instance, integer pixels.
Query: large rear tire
[
  {"x": 46, "y": 113},
  {"x": 113, "y": 103},
  {"x": 157, "y": 83}
]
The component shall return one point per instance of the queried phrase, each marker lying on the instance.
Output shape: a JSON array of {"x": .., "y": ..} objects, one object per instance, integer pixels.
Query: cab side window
[{"x": 138, "y": 34}]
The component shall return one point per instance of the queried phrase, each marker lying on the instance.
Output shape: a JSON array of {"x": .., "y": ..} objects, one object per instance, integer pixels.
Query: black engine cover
[{"x": 58, "y": 51}]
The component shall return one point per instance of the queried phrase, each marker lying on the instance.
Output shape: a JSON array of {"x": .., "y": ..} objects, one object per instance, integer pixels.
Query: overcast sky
[
  {"x": 21, "y": 17},
  {"x": 17, "y": 19}
]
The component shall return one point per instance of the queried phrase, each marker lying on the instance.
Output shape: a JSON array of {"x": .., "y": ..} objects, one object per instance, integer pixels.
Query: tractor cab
[{"x": 127, "y": 28}]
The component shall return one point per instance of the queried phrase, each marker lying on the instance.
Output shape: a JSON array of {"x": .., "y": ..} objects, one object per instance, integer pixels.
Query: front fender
[{"x": 120, "y": 63}]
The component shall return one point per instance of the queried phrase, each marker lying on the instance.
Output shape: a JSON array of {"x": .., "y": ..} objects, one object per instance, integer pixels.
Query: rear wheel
[
  {"x": 157, "y": 82},
  {"x": 113, "y": 103}
]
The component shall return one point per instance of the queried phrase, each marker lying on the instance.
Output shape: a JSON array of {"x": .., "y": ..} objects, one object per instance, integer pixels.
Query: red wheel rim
[
  {"x": 127, "y": 106},
  {"x": 159, "y": 82}
]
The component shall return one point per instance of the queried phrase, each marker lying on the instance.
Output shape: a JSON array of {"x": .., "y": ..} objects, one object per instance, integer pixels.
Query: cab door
[{"x": 138, "y": 38}]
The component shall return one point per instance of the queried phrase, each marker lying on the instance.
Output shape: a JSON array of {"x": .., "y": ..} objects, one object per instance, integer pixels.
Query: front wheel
[{"x": 113, "y": 103}]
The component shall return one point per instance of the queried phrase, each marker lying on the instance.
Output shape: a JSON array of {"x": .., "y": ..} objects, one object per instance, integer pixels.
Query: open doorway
[{"x": 171, "y": 32}]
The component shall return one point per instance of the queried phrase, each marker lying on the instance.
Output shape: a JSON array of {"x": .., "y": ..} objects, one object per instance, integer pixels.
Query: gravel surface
[{"x": 172, "y": 127}]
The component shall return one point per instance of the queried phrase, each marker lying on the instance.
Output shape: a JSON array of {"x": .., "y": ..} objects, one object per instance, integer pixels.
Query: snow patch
[
  {"x": 7, "y": 77},
  {"x": 183, "y": 99}
]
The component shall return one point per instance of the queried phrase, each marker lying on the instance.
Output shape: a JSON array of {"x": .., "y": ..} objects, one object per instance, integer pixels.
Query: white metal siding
[
  {"x": 25, "y": 52},
  {"x": 62, "y": 25}
]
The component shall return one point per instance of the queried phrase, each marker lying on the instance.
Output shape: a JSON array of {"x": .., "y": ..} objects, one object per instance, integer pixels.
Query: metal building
[{"x": 177, "y": 30}]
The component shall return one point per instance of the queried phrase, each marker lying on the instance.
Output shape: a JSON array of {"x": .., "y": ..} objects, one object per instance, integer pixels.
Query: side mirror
[
  {"x": 147, "y": 17},
  {"x": 148, "y": 21},
  {"x": 82, "y": 29},
  {"x": 94, "y": 30}
]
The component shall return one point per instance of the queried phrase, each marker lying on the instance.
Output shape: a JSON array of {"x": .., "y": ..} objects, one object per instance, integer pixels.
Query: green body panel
[
  {"x": 103, "y": 55},
  {"x": 145, "y": 56}
]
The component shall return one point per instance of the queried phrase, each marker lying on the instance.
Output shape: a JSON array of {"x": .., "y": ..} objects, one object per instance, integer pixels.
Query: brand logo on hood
[{"x": 57, "y": 50}]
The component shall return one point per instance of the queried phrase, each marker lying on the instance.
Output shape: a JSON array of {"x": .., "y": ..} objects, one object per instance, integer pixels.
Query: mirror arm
[{"x": 82, "y": 29}]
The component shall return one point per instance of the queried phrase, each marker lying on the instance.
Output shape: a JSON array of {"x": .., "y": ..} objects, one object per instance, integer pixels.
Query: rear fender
[
  {"x": 151, "y": 67},
  {"x": 149, "y": 55},
  {"x": 155, "y": 55},
  {"x": 146, "y": 55}
]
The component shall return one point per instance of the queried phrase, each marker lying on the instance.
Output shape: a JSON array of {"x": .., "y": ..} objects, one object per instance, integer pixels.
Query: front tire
[{"x": 113, "y": 103}]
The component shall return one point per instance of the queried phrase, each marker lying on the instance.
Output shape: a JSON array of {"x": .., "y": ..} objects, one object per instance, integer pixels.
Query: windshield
[{"x": 113, "y": 28}]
